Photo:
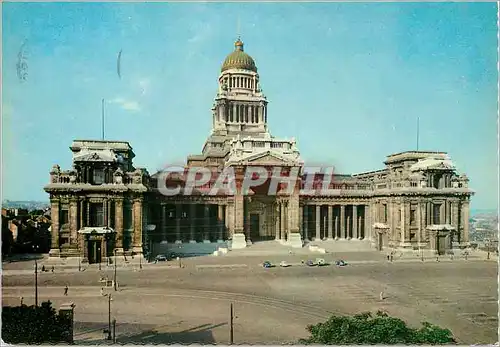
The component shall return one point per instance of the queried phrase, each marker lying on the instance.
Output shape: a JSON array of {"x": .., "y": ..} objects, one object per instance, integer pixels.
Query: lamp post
[
  {"x": 114, "y": 279},
  {"x": 109, "y": 316},
  {"x": 36, "y": 283},
  {"x": 231, "y": 326}
]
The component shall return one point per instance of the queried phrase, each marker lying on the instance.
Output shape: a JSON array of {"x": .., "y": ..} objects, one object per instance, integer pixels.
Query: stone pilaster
[
  {"x": 294, "y": 239},
  {"x": 464, "y": 239},
  {"x": 348, "y": 227},
  {"x": 368, "y": 222},
  {"x": 343, "y": 231},
  {"x": 238, "y": 239},
  {"x": 220, "y": 222},
  {"x": 119, "y": 224},
  {"x": 54, "y": 212},
  {"x": 283, "y": 221},
  {"x": 455, "y": 222},
  {"x": 137, "y": 215},
  {"x": 301, "y": 218},
  {"x": 82, "y": 215},
  {"x": 73, "y": 220},
  {"x": 442, "y": 213},
  {"x": 318, "y": 223}
]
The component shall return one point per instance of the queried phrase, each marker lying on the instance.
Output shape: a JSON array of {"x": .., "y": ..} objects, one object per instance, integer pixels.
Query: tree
[
  {"x": 366, "y": 329},
  {"x": 34, "y": 324}
]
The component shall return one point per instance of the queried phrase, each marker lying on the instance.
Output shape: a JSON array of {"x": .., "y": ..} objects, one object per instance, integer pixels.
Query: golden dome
[{"x": 238, "y": 59}]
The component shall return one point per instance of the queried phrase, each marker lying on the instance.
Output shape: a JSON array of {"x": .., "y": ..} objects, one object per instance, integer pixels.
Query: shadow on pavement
[
  {"x": 25, "y": 257},
  {"x": 198, "y": 335}
]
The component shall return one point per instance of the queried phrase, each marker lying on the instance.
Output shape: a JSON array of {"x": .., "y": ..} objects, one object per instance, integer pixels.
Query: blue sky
[{"x": 348, "y": 81}]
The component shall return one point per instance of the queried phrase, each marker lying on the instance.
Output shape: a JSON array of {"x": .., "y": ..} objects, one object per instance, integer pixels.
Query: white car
[{"x": 284, "y": 264}]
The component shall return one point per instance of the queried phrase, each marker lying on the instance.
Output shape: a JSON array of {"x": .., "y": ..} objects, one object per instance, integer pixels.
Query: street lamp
[
  {"x": 36, "y": 283},
  {"x": 109, "y": 317},
  {"x": 114, "y": 280}
]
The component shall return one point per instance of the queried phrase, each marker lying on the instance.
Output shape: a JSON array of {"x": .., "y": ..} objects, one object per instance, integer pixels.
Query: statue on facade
[
  {"x": 118, "y": 176},
  {"x": 54, "y": 174}
]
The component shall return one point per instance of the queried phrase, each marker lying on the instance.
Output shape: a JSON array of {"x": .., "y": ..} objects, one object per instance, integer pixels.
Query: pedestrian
[
  {"x": 22, "y": 301},
  {"x": 66, "y": 290},
  {"x": 52, "y": 268},
  {"x": 102, "y": 291},
  {"x": 43, "y": 268},
  {"x": 382, "y": 296},
  {"x": 392, "y": 256},
  {"x": 388, "y": 257}
]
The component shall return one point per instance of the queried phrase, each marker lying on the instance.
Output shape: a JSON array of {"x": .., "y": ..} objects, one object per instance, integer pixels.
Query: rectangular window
[
  {"x": 96, "y": 215},
  {"x": 98, "y": 176},
  {"x": 127, "y": 216},
  {"x": 385, "y": 213},
  {"x": 436, "y": 214},
  {"x": 412, "y": 216}
]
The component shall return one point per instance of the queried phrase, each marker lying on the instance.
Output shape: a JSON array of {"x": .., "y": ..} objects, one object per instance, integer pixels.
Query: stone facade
[{"x": 105, "y": 205}]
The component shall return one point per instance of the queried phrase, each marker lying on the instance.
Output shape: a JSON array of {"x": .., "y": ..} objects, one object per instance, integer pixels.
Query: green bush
[
  {"x": 33, "y": 324},
  {"x": 366, "y": 329}
]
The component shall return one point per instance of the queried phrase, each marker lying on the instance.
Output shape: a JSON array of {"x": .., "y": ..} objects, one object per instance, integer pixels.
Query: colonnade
[
  {"x": 192, "y": 223},
  {"x": 335, "y": 222}
]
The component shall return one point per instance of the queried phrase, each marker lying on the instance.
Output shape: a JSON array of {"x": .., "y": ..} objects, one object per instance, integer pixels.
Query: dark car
[
  {"x": 160, "y": 257},
  {"x": 267, "y": 264},
  {"x": 341, "y": 263},
  {"x": 311, "y": 263}
]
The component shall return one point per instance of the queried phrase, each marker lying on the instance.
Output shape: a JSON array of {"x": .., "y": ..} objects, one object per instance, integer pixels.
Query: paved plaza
[{"x": 162, "y": 303}]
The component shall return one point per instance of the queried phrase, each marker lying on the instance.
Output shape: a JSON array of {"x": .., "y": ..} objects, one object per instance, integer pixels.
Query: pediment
[{"x": 267, "y": 158}]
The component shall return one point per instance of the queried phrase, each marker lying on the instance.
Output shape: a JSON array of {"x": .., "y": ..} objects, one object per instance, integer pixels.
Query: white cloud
[{"x": 128, "y": 105}]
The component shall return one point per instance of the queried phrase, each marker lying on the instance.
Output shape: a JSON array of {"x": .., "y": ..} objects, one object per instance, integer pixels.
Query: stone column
[
  {"x": 54, "y": 211},
  {"x": 306, "y": 222},
  {"x": 220, "y": 223},
  {"x": 355, "y": 228},
  {"x": 330, "y": 222},
  {"x": 138, "y": 226},
  {"x": 318, "y": 223},
  {"x": 464, "y": 239},
  {"x": 192, "y": 215},
  {"x": 342, "y": 222},
  {"x": 284, "y": 221},
  {"x": 178, "y": 216},
  {"x": 163, "y": 223},
  {"x": 348, "y": 226},
  {"x": 73, "y": 220},
  {"x": 402, "y": 226},
  {"x": 277, "y": 214},
  {"x": 454, "y": 221},
  {"x": 206, "y": 223},
  {"x": 119, "y": 224},
  {"x": 104, "y": 213},
  {"x": 336, "y": 227}
]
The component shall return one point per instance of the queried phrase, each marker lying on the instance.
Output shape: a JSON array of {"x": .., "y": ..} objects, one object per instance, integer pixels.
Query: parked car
[
  {"x": 340, "y": 263},
  {"x": 267, "y": 264},
  {"x": 311, "y": 263},
  {"x": 284, "y": 264},
  {"x": 160, "y": 257},
  {"x": 321, "y": 262}
]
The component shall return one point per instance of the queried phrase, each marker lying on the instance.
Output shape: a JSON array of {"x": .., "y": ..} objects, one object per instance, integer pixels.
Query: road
[{"x": 163, "y": 304}]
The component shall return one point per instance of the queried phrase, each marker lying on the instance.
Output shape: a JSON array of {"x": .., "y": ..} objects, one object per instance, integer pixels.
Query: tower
[{"x": 240, "y": 106}]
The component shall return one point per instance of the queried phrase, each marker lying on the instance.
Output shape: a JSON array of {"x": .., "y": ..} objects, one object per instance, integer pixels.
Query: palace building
[{"x": 104, "y": 205}]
